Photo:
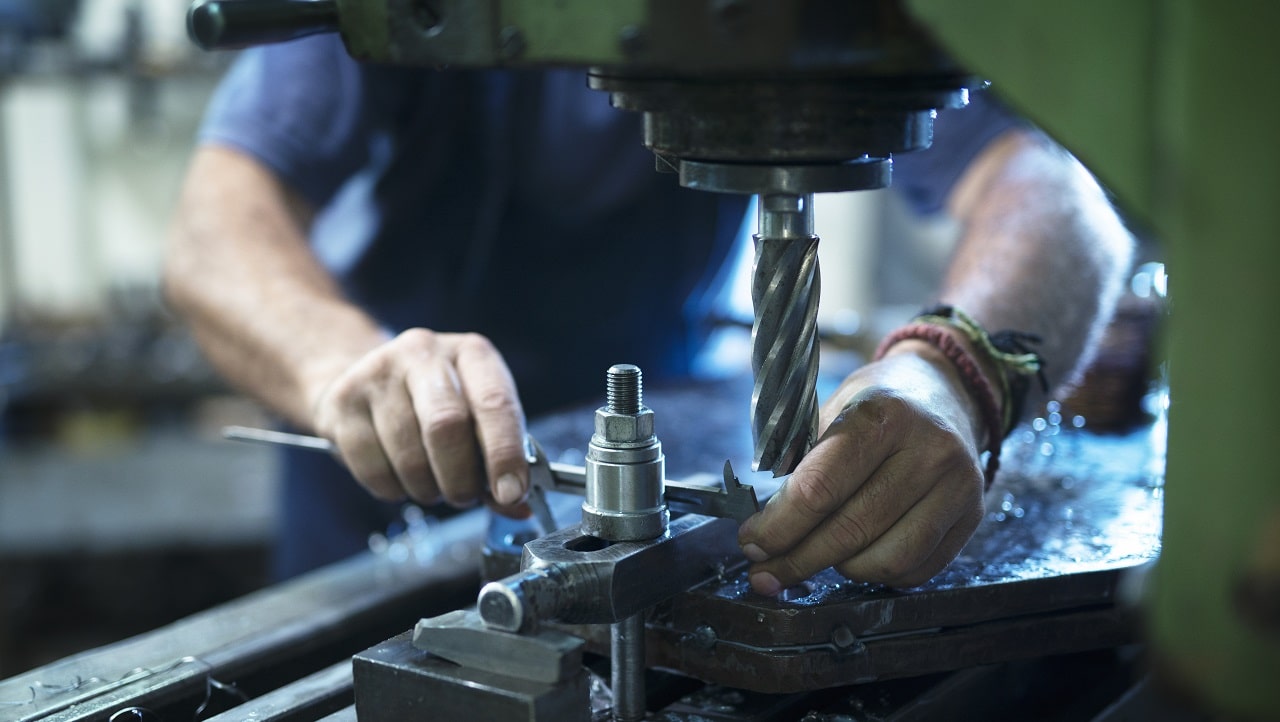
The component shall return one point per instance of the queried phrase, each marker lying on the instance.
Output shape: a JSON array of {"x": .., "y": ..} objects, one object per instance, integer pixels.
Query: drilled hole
[{"x": 586, "y": 544}]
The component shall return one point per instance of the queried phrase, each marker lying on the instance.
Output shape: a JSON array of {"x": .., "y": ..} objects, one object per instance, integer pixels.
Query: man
[{"x": 406, "y": 261}]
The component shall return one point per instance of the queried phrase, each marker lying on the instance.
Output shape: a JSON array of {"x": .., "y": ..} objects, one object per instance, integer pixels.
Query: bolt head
[{"x": 624, "y": 428}]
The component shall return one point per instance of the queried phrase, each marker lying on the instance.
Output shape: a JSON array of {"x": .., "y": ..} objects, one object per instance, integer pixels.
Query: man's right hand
[{"x": 430, "y": 416}]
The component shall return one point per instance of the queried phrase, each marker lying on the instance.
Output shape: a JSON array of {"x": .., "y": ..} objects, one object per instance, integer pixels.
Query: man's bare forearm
[
  {"x": 267, "y": 315},
  {"x": 1041, "y": 251}
]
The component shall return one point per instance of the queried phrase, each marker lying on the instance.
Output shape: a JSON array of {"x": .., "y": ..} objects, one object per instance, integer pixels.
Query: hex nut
[{"x": 624, "y": 428}]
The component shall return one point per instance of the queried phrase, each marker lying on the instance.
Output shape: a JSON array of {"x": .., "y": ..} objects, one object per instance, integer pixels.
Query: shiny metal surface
[
  {"x": 395, "y": 681},
  {"x": 317, "y": 694},
  {"x": 785, "y": 288},
  {"x": 860, "y": 174},
  {"x": 626, "y": 647},
  {"x": 582, "y": 579},
  {"x": 625, "y": 466},
  {"x": 462, "y": 637},
  {"x": 1071, "y": 518},
  {"x": 732, "y": 500}
]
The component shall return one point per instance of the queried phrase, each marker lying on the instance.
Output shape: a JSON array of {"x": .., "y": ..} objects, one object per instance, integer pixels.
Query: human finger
[
  {"x": 400, "y": 436},
  {"x": 447, "y": 429},
  {"x": 944, "y": 553},
  {"x": 870, "y": 512},
  {"x": 909, "y": 553},
  {"x": 847, "y": 455},
  {"x": 499, "y": 418},
  {"x": 361, "y": 452},
  {"x": 342, "y": 415}
]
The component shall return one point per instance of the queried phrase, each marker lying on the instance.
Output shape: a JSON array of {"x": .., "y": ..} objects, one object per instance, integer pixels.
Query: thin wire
[
  {"x": 211, "y": 684},
  {"x": 54, "y": 689}
]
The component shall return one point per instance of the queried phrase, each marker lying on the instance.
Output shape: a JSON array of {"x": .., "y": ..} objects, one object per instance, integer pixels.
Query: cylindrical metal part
[
  {"x": 517, "y": 603},
  {"x": 784, "y": 355},
  {"x": 215, "y": 25},
  {"x": 626, "y": 646},
  {"x": 625, "y": 467}
]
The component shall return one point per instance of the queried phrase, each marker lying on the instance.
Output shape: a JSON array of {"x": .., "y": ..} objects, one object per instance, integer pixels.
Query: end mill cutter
[{"x": 784, "y": 355}]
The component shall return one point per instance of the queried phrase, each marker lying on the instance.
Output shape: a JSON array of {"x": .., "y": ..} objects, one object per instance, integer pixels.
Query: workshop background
[
  {"x": 121, "y": 509},
  {"x": 118, "y": 508}
]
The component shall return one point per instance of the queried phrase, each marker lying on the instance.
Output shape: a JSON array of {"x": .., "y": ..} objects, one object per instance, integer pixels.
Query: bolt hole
[{"x": 587, "y": 544}]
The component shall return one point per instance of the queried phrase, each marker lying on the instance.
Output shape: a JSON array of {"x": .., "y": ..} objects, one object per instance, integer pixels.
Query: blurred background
[{"x": 121, "y": 509}]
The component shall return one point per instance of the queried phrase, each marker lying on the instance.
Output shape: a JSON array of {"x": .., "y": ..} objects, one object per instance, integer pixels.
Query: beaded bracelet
[{"x": 1006, "y": 351}]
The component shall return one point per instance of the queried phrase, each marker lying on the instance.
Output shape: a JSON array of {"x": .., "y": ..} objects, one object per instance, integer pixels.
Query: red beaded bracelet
[{"x": 975, "y": 380}]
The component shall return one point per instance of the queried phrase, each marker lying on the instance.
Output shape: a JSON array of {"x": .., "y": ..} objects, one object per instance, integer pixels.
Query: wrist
[
  {"x": 946, "y": 369},
  {"x": 953, "y": 347},
  {"x": 319, "y": 369}
]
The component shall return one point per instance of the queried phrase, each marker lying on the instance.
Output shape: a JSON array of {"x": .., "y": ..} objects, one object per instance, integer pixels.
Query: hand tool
[{"x": 734, "y": 500}]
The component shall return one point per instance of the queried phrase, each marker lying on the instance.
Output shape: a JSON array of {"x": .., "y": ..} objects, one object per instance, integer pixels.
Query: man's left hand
[{"x": 890, "y": 493}]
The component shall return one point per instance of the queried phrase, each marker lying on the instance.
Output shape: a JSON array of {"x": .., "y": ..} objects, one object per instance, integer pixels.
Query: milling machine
[{"x": 781, "y": 99}]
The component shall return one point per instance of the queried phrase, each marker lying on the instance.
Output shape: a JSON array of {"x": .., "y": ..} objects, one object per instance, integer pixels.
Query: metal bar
[
  {"x": 321, "y": 693},
  {"x": 627, "y": 649},
  {"x": 293, "y": 628},
  {"x": 276, "y": 438}
]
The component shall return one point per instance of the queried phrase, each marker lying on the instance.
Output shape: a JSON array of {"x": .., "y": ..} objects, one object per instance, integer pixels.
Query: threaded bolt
[{"x": 624, "y": 392}]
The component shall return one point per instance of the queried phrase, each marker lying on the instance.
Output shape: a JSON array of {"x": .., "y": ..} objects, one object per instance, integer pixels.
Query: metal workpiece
[
  {"x": 462, "y": 637},
  {"x": 734, "y": 500},
  {"x": 624, "y": 465},
  {"x": 396, "y": 681},
  {"x": 571, "y": 577},
  {"x": 784, "y": 353}
]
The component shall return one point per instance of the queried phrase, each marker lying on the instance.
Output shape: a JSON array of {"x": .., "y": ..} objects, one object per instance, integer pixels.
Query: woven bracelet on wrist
[
  {"x": 1007, "y": 352},
  {"x": 971, "y": 374}
]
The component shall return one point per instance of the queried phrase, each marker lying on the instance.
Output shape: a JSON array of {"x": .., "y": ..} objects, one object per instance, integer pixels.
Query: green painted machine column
[{"x": 1174, "y": 106}]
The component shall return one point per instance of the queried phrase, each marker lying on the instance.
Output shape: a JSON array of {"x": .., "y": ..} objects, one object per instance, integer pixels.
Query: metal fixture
[{"x": 624, "y": 465}]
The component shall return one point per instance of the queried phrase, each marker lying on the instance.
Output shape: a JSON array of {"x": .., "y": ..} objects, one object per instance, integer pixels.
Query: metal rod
[
  {"x": 626, "y": 645},
  {"x": 276, "y": 438}
]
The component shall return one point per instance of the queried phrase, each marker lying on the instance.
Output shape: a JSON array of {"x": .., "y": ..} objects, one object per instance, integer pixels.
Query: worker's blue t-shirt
[{"x": 516, "y": 204}]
